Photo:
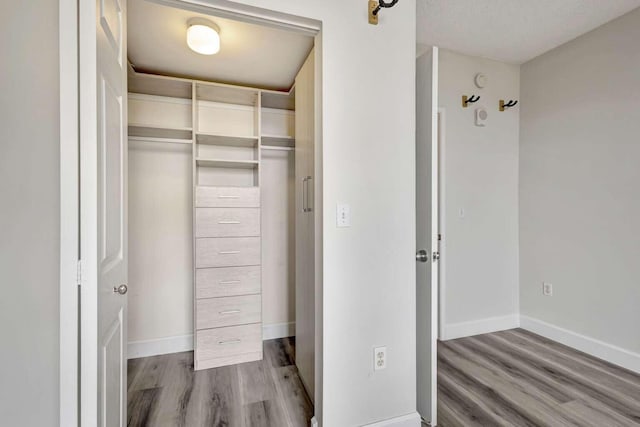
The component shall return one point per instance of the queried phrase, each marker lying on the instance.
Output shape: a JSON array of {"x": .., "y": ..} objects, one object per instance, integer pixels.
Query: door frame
[
  {"x": 442, "y": 244},
  {"x": 71, "y": 25}
]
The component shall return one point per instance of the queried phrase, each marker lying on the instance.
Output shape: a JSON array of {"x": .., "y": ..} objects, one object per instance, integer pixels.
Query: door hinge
[{"x": 79, "y": 273}]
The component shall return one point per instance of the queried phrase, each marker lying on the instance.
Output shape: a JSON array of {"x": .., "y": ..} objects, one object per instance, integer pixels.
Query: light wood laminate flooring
[
  {"x": 517, "y": 378},
  {"x": 164, "y": 391}
]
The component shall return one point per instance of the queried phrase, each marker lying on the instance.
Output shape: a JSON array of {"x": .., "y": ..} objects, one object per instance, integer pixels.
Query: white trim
[
  {"x": 278, "y": 330},
  {"x": 180, "y": 343},
  {"x": 602, "y": 350},
  {"x": 480, "y": 326},
  {"x": 409, "y": 420},
  {"x": 69, "y": 226},
  {"x": 442, "y": 227},
  {"x": 314, "y": 422},
  {"x": 156, "y": 347}
]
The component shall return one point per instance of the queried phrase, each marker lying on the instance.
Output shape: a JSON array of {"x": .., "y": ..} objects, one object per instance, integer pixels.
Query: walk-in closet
[{"x": 221, "y": 191}]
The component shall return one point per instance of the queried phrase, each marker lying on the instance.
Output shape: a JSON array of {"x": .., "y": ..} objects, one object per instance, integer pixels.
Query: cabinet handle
[
  {"x": 227, "y": 342},
  {"x": 228, "y": 197},
  {"x": 229, "y": 252},
  {"x": 304, "y": 194},
  {"x": 228, "y": 222},
  {"x": 309, "y": 208},
  {"x": 230, "y": 282},
  {"x": 230, "y": 312}
]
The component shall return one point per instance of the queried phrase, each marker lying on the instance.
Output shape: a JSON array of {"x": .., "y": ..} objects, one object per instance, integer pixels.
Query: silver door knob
[
  {"x": 422, "y": 256},
  {"x": 122, "y": 289}
]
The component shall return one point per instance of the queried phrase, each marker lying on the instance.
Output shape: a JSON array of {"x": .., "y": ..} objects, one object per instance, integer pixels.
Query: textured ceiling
[
  {"x": 250, "y": 54},
  {"x": 512, "y": 31}
]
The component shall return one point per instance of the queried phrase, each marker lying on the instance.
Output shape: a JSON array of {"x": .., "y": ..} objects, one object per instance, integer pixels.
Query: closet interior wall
[{"x": 212, "y": 231}]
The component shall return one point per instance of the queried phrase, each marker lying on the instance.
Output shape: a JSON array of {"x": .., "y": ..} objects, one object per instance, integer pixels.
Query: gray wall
[
  {"x": 580, "y": 184},
  {"x": 479, "y": 264},
  {"x": 29, "y": 213}
]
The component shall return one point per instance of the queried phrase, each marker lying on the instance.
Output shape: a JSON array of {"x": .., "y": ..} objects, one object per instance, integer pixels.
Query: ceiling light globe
[{"x": 203, "y": 39}]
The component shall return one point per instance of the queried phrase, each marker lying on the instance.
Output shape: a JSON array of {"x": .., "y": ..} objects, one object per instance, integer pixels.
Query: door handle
[
  {"x": 422, "y": 256},
  {"x": 122, "y": 289}
]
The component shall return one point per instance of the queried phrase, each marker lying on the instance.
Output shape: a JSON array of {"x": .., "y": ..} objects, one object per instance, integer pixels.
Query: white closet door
[
  {"x": 427, "y": 233},
  {"x": 103, "y": 211},
  {"x": 305, "y": 211}
]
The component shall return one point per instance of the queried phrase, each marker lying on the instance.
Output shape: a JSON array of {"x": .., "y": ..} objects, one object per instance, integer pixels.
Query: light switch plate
[{"x": 343, "y": 215}]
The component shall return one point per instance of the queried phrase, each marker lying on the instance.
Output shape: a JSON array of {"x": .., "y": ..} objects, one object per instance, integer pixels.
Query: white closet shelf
[
  {"x": 219, "y": 163},
  {"x": 155, "y": 131},
  {"x": 227, "y": 140},
  {"x": 278, "y": 140}
]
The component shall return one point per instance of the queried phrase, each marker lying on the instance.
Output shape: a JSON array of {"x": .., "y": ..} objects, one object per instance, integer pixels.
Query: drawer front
[
  {"x": 227, "y": 342},
  {"x": 228, "y": 311},
  {"x": 227, "y": 222},
  {"x": 227, "y": 197},
  {"x": 227, "y": 281},
  {"x": 227, "y": 252}
]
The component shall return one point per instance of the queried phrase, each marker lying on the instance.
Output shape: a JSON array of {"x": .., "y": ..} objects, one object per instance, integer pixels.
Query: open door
[
  {"x": 427, "y": 254},
  {"x": 103, "y": 211}
]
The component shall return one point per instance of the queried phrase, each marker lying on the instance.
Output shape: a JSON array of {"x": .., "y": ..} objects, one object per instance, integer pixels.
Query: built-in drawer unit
[
  {"x": 227, "y": 197},
  {"x": 227, "y": 222},
  {"x": 227, "y": 252},
  {"x": 227, "y": 281},
  {"x": 228, "y": 311},
  {"x": 225, "y": 346}
]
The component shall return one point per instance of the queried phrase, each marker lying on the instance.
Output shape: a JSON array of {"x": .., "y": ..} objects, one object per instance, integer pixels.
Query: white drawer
[
  {"x": 227, "y": 281},
  {"x": 228, "y": 311},
  {"x": 227, "y": 252},
  {"x": 227, "y": 222},
  {"x": 227, "y": 197},
  {"x": 227, "y": 346}
]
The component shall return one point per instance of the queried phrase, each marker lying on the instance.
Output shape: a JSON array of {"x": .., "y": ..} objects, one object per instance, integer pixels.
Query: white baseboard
[
  {"x": 410, "y": 420},
  {"x": 278, "y": 330},
  {"x": 602, "y": 350},
  {"x": 159, "y": 346},
  {"x": 314, "y": 422},
  {"x": 482, "y": 326},
  {"x": 177, "y": 344}
]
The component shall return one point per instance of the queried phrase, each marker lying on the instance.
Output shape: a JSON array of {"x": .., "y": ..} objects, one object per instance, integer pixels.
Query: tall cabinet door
[{"x": 305, "y": 211}]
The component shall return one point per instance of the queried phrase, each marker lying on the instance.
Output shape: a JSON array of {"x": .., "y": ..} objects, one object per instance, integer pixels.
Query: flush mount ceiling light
[{"x": 203, "y": 36}]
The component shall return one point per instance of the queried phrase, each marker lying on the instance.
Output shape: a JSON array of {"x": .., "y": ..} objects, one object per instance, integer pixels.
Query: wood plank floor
[
  {"x": 164, "y": 391},
  {"x": 517, "y": 378}
]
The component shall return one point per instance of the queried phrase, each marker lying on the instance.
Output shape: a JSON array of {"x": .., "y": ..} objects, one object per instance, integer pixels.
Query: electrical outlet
[
  {"x": 547, "y": 289},
  {"x": 379, "y": 358}
]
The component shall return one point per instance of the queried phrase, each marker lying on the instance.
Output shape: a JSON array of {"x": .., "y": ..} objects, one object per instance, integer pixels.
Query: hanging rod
[
  {"x": 161, "y": 140},
  {"x": 273, "y": 148}
]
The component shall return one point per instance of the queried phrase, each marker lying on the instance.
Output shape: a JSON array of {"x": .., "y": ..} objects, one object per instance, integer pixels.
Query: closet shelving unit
[{"x": 228, "y": 128}]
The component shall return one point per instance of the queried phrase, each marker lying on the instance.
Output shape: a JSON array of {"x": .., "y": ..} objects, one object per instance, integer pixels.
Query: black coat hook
[
  {"x": 381, "y": 4},
  {"x": 509, "y": 104},
  {"x": 375, "y": 6},
  {"x": 466, "y": 100}
]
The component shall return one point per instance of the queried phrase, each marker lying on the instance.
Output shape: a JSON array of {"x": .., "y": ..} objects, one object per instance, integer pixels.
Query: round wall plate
[{"x": 481, "y": 80}]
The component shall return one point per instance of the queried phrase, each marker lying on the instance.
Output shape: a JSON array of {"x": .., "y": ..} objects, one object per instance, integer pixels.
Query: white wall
[
  {"x": 479, "y": 264},
  {"x": 160, "y": 247},
  {"x": 580, "y": 185},
  {"x": 369, "y": 162},
  {"x": 29, "y": 214}
]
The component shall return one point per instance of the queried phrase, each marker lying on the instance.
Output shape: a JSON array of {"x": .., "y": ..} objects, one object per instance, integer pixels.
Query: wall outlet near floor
[
  {"x": 547, "y": 289},
  {"x": 379, "y": 358}
]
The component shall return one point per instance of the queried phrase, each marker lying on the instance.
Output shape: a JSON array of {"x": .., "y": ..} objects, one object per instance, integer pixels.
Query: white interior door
[
  {"x": 427, "y": 255},
  {"x": 103, "y": 211}
]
